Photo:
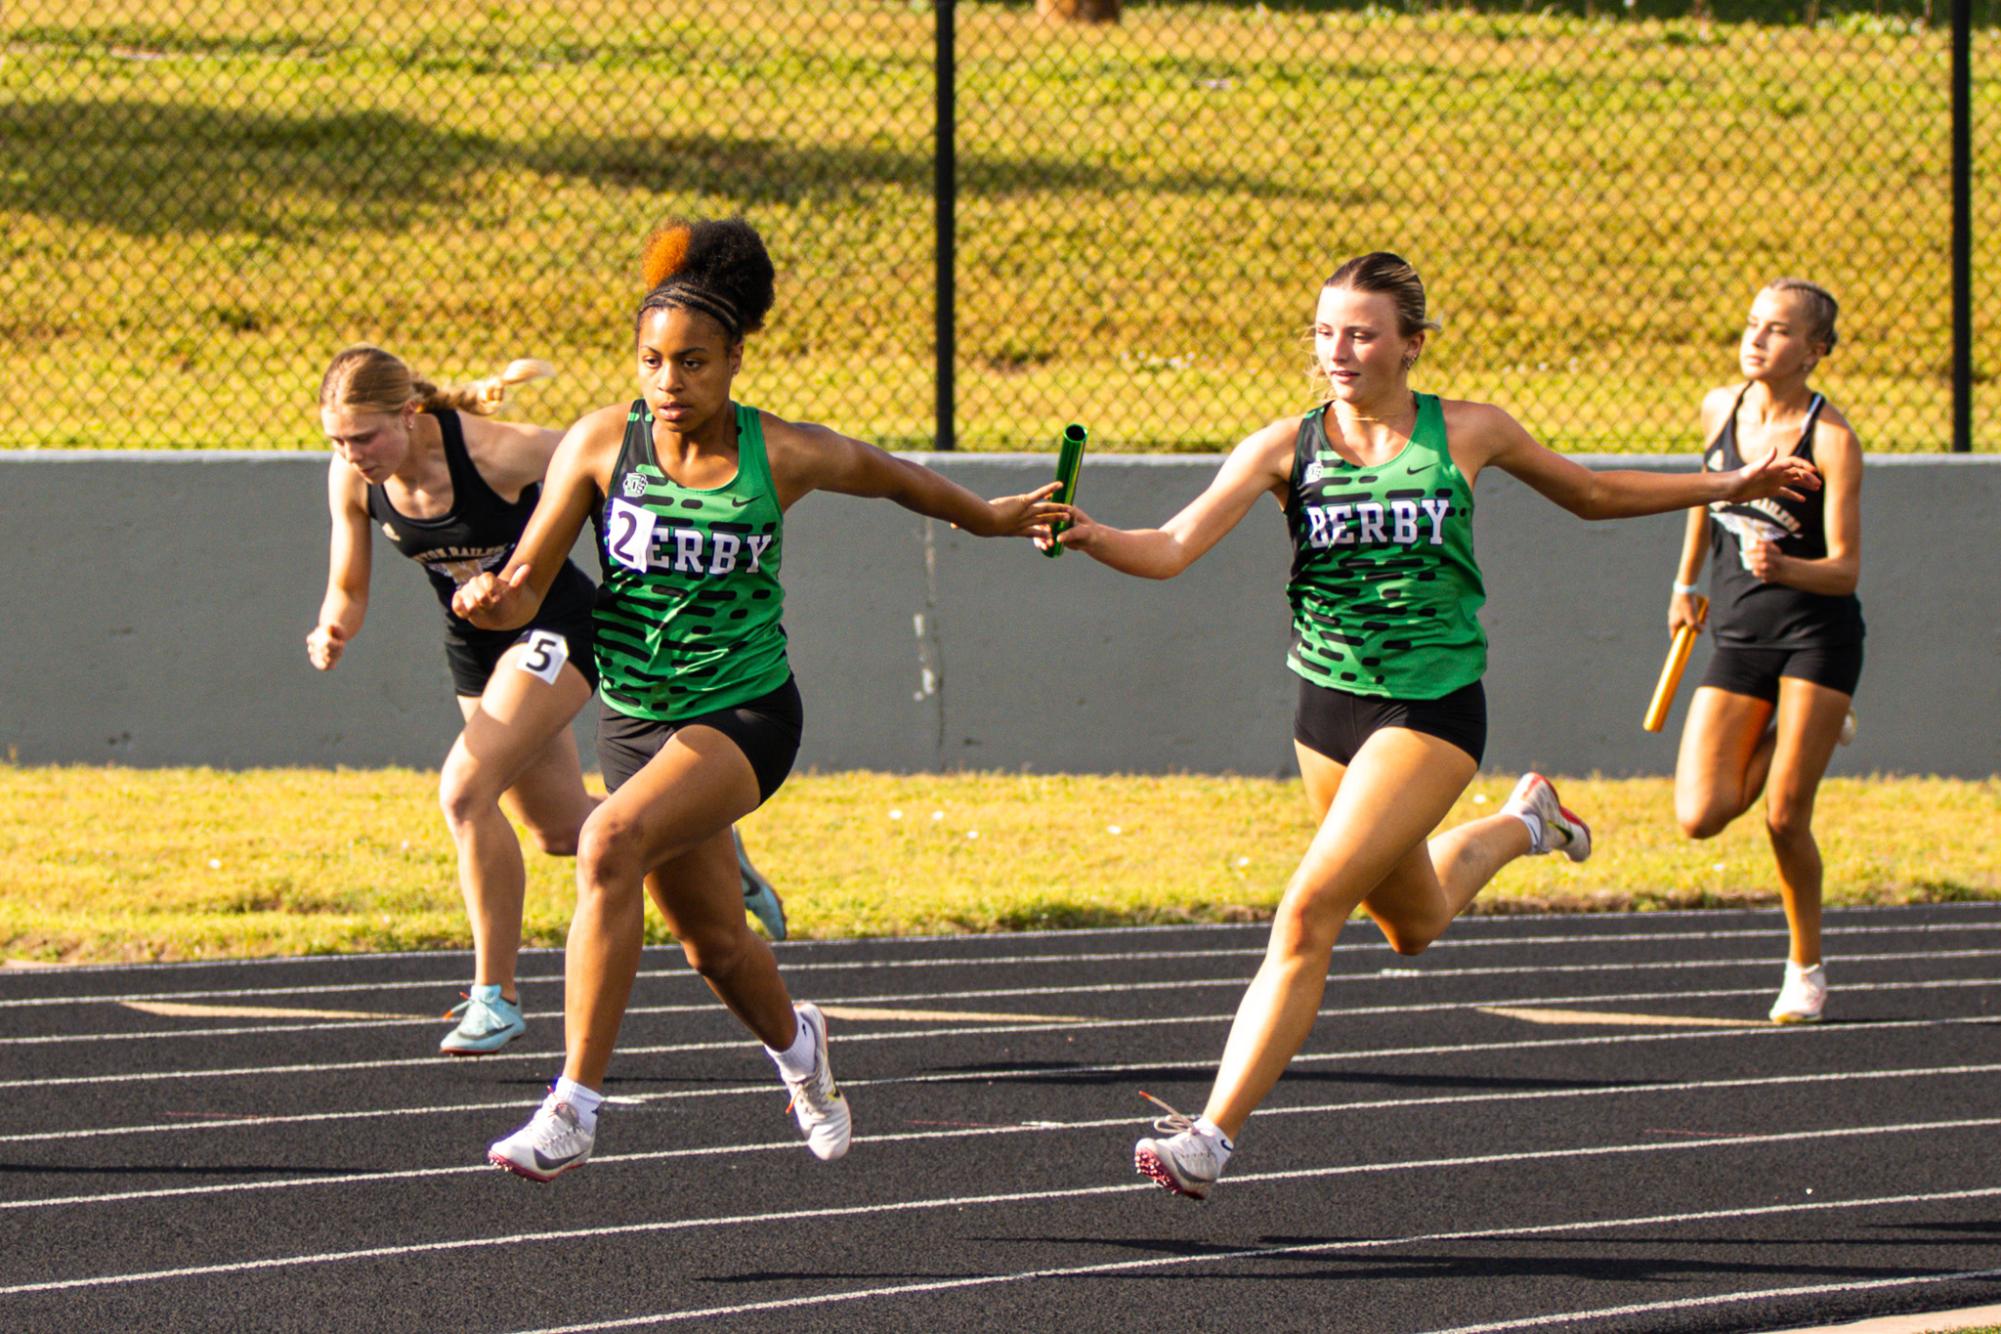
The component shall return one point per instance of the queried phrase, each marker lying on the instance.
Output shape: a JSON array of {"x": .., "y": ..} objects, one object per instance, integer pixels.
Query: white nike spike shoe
[{"x": 550, "y": 1144}]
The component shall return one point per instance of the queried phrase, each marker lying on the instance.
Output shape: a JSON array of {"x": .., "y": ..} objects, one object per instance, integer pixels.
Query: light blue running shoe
[
  {"x": 488, "y": 1021},
  {"x": 760, "y": 900}
]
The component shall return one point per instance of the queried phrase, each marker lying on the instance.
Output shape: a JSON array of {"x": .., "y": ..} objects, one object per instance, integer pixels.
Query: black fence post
[
  {"x": 945, "y": 195},
  {"x": 1962, "y": 226}
]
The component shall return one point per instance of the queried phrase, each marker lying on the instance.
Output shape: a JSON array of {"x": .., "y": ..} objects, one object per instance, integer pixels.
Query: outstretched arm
[
  {"x": 1261, "y": 464},
  {"x": 806, "y": 458},
  {"x": 1498, "y": 440},
  {"x": 510, "y": 598},
  {"x": 345, "y": 604}
]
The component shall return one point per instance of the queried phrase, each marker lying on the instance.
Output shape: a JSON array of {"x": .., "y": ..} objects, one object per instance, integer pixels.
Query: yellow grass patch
[{"x": 111, "y": 863}]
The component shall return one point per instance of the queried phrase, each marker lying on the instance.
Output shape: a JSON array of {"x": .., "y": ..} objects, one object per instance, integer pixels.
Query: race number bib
[
  {"x": 629, "y": 535},
  {"x": 547, "y": 652}
]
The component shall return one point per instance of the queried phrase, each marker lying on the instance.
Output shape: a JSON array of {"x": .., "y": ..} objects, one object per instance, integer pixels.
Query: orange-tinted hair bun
[{"x": 665, "y": 250}]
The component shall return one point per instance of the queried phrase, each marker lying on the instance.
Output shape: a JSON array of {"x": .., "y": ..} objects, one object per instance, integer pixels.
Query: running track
[{"x": 1543, "y": 1123}]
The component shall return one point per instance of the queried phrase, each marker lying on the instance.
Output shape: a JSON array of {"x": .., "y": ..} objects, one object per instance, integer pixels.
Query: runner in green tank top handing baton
[
  {"x": 699, "y": 719},
  {"x": 1377, "y": 490}
]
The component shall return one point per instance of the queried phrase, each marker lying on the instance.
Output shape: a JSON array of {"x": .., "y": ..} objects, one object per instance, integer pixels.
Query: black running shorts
[
  {"x": 1756, "y": 671},
  {"x": 765, "y": 729},
  {"x": 1335, "y": 723},
  {"x": 474, "y": 655}
]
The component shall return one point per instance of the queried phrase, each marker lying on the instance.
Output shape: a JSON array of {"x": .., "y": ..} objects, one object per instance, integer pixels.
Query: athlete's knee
[
  {"x": 555, "y": 840},
  {"x": 554, "y": 843},
  {"x": 1789, "y": 821},
  {"x": 1701, "y": 819},
  {"x": 609, "y": 851},
  {"x": 1302, "y": 927},
  {"x": 1705, "y": 824},
  {"x": 464, "y": 796},
  {"x": 715, "y": 952},
  {"x": 1412, "y": 938}
]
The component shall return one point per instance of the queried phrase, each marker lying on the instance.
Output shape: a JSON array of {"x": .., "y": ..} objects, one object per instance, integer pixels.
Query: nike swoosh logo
[
  {"x": 545, "y": 1162},
  {"x": 741, "y": 503},
  {"x": 1412, "y": 472}
]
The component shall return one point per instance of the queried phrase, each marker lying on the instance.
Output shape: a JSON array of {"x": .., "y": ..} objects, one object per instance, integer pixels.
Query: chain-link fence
[{"x": 203, "y": 200}]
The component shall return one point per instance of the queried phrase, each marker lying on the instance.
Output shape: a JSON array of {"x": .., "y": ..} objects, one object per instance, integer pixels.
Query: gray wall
[{"x": 157, "y": 604}]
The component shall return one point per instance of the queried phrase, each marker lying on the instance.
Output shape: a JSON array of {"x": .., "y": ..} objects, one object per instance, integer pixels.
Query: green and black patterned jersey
[
  {"x": 688, "y": 609},
  {"x": 1385, "y": 592}
]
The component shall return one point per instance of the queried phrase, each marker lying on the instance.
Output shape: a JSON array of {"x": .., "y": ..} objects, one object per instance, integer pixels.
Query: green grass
[
  {"x": 199, "y": 207},
  {"x": 127, "y": 864}
]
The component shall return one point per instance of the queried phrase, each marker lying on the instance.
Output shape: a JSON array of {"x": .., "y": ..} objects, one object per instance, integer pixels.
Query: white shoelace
[
  {"x": 550, "y": 1125},
  {"x": 1174, "y": 1123}
]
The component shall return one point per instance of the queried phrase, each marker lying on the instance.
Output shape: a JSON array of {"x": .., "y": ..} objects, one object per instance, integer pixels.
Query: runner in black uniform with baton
[{"x": 1788, "y": 628}]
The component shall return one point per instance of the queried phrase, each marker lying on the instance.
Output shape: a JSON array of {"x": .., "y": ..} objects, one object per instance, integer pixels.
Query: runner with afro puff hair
[{"x": 700, "y": 717}]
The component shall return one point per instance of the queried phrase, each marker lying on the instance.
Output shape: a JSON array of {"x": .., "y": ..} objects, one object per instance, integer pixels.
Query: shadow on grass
[{"x": 158, "y": 168}]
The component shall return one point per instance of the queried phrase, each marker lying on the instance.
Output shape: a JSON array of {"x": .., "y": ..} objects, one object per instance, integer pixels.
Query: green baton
[{"x": 1068, "y": 465}]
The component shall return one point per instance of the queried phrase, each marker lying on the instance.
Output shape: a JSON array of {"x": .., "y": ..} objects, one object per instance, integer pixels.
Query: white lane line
[
  {"x": 1028, "y": 1024},
  {"x": 904, "y": 1016},
  {"x": 1306, "y": 1248},
  {"x": 1732, "y": 1299},
  {"x": 183, "y": 1010},
  {"x": 1237, "y": 1183},
  {"x": 1797, "y": 1032},
  {"x": 1618, "y": 1018},
  {"x": 960, "y": 1133},
  {"x": 345, "y": 1021},
  {"x": 709, "y": 1007},
  {"x": 791, "y": 966},
  {"x": 1477, "y": 922}
]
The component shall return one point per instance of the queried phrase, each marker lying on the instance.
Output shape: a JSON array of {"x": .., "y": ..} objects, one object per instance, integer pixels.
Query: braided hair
[{"x": 716, "y": 266}]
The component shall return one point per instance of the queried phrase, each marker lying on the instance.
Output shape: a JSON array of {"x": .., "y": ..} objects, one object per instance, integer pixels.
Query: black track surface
[{"x": 1427, "y": 1164}]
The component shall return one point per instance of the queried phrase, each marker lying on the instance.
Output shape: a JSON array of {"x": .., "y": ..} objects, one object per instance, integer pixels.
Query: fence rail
[{"x": 988, "y": 223}]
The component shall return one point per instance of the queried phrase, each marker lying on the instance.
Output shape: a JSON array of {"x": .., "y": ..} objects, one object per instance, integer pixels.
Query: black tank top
[
  {"x": 1746, "y": 612},
  {"x": 477, "y": 534}
]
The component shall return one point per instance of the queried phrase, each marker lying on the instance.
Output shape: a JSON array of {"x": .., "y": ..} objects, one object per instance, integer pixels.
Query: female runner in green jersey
[
  {"x": 1377, "y": 489},
  {"x": 700, "y": 717}
]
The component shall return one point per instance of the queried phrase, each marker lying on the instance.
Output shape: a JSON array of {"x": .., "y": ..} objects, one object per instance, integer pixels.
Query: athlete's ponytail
[
  {"x": 372, "y": 380},
  {"x": 716, "y": 266},
  {"x": 480, "y": 397}
]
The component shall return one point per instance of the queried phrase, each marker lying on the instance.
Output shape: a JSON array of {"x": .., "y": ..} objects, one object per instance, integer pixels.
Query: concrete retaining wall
[{"x": 156, "y": 604}]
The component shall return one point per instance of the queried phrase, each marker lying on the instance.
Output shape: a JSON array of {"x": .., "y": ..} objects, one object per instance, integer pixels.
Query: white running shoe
[
  {"x": 1562, "y": 830},
  {"x": 1803, "y": 996},
  {"x": 1184, "y": 1161},
  {"x": 1847, "y": 733},
  {"x": 817, "y": 1103},
  {"x": 550, "y": 1144}
]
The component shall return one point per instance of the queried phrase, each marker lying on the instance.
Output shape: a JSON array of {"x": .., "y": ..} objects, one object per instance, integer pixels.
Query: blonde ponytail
[
  {"x": 480, "y": 397},
  {"x": 368, "y": 378}
]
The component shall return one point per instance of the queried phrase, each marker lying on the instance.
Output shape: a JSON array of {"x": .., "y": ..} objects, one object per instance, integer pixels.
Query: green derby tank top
[
  {"x": 688, "y": 610},
  {"x": 1384, "y": 589}
]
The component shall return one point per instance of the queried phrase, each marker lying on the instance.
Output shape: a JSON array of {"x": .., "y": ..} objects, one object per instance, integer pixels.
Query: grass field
[
  {"x": 125, "y": 864},
  {"x": 200, "y": 204}
]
